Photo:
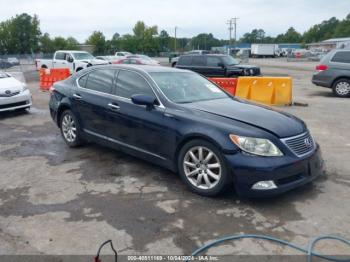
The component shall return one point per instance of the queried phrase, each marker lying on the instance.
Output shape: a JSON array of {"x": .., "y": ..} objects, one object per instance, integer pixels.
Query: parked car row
[
  {"x": 78, "y": 60},
  {"x": 8, "y": 62}
]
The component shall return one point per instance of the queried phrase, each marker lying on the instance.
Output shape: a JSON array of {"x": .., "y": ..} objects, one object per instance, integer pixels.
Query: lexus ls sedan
[
  {"x": 182, "y": 121},
  {"x": 14, "y": 95}
]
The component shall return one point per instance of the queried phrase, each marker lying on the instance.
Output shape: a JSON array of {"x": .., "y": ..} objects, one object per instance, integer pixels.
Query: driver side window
[{"x": 130, "y": 83}]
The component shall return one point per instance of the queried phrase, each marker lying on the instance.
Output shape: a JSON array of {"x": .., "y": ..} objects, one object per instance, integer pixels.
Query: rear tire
[
  {"x": 70, "y": 129},
  {"x": 341, "y": 87},
  {"x": 203, "y": 168}
]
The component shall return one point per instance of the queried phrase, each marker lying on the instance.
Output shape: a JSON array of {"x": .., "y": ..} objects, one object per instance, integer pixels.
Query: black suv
[{"x": 216, "y": 66}]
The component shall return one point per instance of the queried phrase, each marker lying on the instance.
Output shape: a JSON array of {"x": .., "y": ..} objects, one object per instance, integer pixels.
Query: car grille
[
  {"x": 300, "y": 145},
  {"x": 11, "y": 94}
]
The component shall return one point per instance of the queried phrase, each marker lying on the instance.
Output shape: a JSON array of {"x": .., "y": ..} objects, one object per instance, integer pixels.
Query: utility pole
[
  {"x": 175, "y": 40},
  {"x": 232, "y": 24}
]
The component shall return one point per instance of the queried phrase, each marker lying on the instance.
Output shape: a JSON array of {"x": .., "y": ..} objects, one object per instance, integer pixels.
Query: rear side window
[
  {"x": 213, "y": 61},
  {"x": 101, "y": 81},
  {"x": 130, "y": 83},
  {"x": 199, "y": 61},
  {"x": 341, "y": 57},
  {"x": 185, "y": 60},
  {"x": 82, "y": 80}
]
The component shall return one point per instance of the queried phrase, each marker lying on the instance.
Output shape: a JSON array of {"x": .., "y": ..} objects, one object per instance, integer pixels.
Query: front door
[{"x": 136, "y": 126}]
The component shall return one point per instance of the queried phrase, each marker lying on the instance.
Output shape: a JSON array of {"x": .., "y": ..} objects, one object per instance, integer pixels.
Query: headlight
[{"x": 256, "y": 146}]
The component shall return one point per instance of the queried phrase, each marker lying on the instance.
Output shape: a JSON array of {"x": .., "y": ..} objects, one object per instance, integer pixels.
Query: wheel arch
[
  {"x": 189, "y": 138},
  {"x": 338, "y": 78},
  {"x": 61, "y": 109}
]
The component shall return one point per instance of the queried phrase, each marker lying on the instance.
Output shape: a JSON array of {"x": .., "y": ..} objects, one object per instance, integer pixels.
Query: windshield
[
  {"x": 186, "y": 87},
  {"x": 82, "y": 56},
  {"x": 229, "y": 60}
]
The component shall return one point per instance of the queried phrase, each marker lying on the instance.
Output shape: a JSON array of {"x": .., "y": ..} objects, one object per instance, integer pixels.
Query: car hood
[
  {"x": 10, "y": 83},
  {"x": 273, "y": 121}
]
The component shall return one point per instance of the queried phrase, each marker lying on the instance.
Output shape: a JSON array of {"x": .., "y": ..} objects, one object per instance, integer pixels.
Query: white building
[{"x": 330, "y": 44}]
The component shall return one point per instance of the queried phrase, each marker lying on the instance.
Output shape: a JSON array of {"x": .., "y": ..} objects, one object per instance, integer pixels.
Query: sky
[{"x": 79, "y": 18}]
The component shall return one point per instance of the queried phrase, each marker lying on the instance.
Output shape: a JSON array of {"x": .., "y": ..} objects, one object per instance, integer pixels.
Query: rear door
[
  {"x": 94, "y": 100},
  {"x": 133, "y": 125}
]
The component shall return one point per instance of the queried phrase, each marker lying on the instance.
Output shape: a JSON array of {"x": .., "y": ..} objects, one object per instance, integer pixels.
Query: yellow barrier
[{"x": 266, "y": 90}]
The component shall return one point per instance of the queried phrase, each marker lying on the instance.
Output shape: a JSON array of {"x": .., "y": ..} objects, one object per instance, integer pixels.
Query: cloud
[{"x": 80, "y": 17}]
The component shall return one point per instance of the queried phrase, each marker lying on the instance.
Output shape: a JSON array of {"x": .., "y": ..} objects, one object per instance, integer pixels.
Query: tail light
[
  {"x": 51, "y": 90},
  {"x": 321, "y": 67}
]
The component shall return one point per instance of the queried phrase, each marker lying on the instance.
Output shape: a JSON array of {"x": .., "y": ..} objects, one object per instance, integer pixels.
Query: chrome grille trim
[
  {"x": 298, "y": 146},
  {"x": 11, "y": 94}
]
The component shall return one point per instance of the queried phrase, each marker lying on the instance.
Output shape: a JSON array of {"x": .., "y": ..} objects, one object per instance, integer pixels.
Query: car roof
[
  {"x": 217, "y": 55},
  {"x": 144, "y": 68},
  {"x": 75, "y": 51}
]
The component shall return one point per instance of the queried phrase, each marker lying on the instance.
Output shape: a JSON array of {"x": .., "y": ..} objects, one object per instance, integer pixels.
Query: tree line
[{"x": 22, "y": 35}]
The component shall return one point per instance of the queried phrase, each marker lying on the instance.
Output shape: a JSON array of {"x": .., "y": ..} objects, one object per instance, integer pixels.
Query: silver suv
[{"x": 334, "y": 72}]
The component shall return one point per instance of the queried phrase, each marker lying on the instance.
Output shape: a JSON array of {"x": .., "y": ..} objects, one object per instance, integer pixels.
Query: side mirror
[
  {"x": 144, "y": 100},
  {"x": 221, "y": 65},
  {"x": 70, "y": 59}
]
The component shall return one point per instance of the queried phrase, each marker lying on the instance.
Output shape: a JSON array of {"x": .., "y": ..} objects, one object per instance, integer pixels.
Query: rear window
[
  {"x": 341, "y": 57},
  {"x": 185, "y": 60}
]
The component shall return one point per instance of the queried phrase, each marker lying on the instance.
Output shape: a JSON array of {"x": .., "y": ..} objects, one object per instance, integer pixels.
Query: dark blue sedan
[{"x": 183, "y": 122}]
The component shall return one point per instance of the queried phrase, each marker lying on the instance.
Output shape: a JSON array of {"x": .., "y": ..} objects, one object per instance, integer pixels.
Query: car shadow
[{"x": 12, "y": 114}]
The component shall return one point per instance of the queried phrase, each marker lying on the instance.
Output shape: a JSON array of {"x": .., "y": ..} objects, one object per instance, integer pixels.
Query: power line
[
  {"x": 232, "y": 24},
  {"x": 175, "y": 39}
]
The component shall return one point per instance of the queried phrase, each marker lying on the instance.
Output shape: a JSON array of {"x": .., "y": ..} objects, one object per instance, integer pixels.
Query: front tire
[
  {"x": 341, "y": 87},
  {"x": 202, "y": 167},
  {"x": 70, "y": 129}
]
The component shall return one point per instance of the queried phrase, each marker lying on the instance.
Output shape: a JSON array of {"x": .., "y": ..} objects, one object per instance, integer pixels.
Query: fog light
[{"x": 264, "y": 185}]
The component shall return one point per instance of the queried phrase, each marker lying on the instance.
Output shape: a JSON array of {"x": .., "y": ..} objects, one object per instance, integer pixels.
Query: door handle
[
  {"x": 113, "y": 106},
  {"x": 77, "y": 96}
]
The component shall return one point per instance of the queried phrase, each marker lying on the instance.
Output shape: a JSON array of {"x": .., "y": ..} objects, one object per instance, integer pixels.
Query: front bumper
[
  {"x": 22, "y": 100},
  {"x": 286, "y": 172}
]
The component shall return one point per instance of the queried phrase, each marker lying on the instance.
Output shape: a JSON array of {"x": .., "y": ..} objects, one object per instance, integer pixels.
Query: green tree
[
  {"x": 322, "y": 31},
  {"x": 98, "y": 40},
  {"x": 343, "y": 28},
  {"x": 291, "y": 36},
  {"x": 20, "y": 34},
  {"x": 46, "y": 44}
]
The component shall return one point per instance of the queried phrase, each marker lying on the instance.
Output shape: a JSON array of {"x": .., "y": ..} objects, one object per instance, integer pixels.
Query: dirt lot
[{"x": 56, "y": 200}]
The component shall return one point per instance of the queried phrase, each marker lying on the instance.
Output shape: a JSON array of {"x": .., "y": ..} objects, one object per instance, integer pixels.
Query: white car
[
  {"x": 74, "y": 60},
  {"x": 14, "y": 95},
  {"x": 122, "y": 54}
]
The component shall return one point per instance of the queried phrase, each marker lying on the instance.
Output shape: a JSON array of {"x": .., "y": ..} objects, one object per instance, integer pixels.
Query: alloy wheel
[
  {"x": 69, "y": 128},
  {"x": 343, "y": 88},
  {"x": 202, "y": 167}
]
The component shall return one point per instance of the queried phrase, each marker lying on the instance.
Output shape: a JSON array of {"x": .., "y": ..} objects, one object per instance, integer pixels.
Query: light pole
[{"x": 175, "y": 40}]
